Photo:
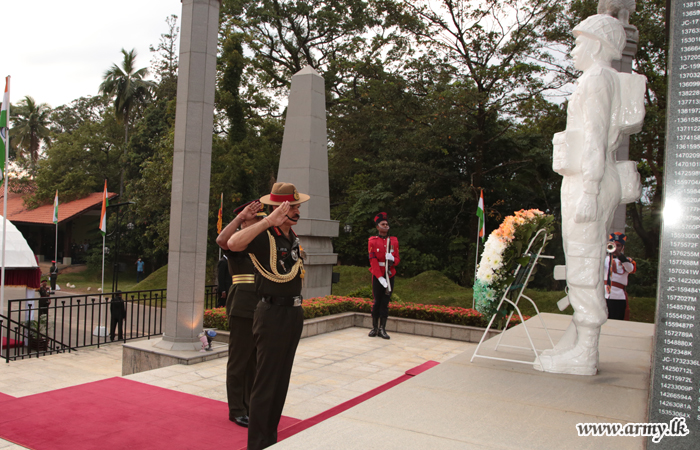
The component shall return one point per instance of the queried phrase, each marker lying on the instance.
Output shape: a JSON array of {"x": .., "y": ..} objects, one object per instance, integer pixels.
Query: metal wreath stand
[{"x": 522, "y": 277}]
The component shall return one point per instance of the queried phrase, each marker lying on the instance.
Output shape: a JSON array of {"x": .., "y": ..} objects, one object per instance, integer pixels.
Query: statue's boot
[
  {"x": 567, "y": 341},
  {"x": 582, "y": 359}
]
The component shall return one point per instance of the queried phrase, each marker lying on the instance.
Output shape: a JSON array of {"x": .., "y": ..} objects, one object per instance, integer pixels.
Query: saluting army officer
[
  {"x": 383, "y": 256},
  {"x": 274, "y": 249},
  {"x": 240, "y": 306}
]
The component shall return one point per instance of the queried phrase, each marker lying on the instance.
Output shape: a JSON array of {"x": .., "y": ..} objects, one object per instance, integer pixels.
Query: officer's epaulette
[{"x": 277, "y": 231}]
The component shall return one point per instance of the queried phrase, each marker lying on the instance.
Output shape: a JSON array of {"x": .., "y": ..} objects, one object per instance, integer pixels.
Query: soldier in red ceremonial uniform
[
  {"x": 617, "y": 269},
  {"x": 383, "y": 256}
]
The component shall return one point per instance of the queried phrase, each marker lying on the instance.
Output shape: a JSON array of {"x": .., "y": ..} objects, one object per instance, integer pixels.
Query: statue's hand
[{"x": 586, "y": 209}]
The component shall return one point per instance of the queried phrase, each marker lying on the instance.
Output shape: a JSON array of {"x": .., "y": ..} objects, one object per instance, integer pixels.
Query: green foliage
[
  {"x": 30, "y": 129},
  {"x": 80, "y": 160},
  {"x": 363, "y": 292},
  {"x": 165, "y": 61},
  {"x": 39, "y": 328},
  {"x": 127, "y": 85}
]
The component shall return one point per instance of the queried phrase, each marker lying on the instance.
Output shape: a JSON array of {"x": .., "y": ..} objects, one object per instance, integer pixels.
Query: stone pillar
[
  {"x": 624, "y": 65},
  {"x": 304, "y": 162},
  {"x": 194, "y": 119}
]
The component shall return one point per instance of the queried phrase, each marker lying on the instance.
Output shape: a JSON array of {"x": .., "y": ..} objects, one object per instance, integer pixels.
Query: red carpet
[
  {"x": 120, "y": 414},
  {"x": 5, "y": 398},
  {"x": 311, "y": 421}
]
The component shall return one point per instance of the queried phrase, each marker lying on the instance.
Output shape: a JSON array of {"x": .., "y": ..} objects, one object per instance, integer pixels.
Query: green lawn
[
  {"x": 127, "y": 280},
  {"x": 434, "y": 288}
]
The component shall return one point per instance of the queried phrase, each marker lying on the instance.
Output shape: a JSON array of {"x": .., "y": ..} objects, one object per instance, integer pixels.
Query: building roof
[{"x": 17, "y": 212}]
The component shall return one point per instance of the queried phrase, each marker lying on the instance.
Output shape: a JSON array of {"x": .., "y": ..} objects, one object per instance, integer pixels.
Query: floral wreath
[{"x": 503, "y": 249}]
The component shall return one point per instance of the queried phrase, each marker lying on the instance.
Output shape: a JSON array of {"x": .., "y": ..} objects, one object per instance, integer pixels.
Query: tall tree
[
  {"x": 165, "y": 60},
  {"x": 129, "y": 88},
  {"x": 30, "y": 128},
  {"x": 78, "y": 161},
  {"x": 496, "y": 49}
]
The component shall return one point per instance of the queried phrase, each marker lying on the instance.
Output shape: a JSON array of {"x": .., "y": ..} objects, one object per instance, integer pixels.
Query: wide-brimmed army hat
[{"x": 284, "y": 192}]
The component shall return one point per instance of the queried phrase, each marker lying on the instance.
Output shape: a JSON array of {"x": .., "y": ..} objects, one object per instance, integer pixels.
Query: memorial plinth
[
  {"x": 304, "y": 163},
  {"x": 502, "y": 405}
]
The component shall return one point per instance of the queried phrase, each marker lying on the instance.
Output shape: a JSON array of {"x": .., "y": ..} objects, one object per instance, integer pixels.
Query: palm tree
[
  {"x": 30, "y": 127},
  {"x": 128, "y": 88}
]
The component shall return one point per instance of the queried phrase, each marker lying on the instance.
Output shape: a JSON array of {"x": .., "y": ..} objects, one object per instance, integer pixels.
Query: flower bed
[{"x": 332, "y": 304}]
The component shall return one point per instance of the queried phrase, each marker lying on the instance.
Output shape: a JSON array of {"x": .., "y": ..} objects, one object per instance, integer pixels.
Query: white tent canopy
[{"x": 18, "y": 254}]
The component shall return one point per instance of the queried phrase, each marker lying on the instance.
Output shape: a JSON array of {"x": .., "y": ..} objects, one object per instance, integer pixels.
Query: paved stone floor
[{"x": 328, "y": 370}]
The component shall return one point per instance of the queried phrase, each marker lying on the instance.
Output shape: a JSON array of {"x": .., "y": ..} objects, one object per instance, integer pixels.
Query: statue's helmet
[{"x": 606, "y": 29}]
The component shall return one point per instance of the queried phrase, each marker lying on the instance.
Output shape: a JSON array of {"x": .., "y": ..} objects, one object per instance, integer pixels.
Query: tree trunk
[{"x": 126, "y": 144}]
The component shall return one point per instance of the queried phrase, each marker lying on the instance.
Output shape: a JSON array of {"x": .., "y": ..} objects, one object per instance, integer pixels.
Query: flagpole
[
  {"x": 221, "y": 208},
  {"x": 476, "y": 263},
  {"x": 6, "y": 98},
  {"x": 480, "y": 233},
  {"x": 4, "y": 238},
  {"x": 103, "y": 264}
]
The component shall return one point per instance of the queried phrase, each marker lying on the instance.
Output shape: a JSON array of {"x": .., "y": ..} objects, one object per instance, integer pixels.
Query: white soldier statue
[{"x": 605, "y": 107}]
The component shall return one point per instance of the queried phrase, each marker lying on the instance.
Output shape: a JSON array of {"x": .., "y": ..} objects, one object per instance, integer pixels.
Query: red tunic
[{"x": 377, "y": 255}]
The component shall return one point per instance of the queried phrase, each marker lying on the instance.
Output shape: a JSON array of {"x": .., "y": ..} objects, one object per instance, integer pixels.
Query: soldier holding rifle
[{"x": 383, "y": 256}]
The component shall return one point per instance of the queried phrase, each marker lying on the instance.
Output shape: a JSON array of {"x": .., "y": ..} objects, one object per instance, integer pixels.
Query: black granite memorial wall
[{"x": 675, "y": 382}]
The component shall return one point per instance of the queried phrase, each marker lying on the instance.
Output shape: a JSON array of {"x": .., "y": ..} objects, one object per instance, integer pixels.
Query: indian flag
[
  {"x": 480, "y": 215},
  {"x": 220, "y": 222},
  {"x": 103, "y": 216},
  {"x": 55, "y": 209},
  {"x": 4, "y": 123}
]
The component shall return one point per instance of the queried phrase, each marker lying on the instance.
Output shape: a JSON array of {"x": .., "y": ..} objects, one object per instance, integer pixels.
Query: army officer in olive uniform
[
  {"x": 240, "y": 306},
  {"x": 274, "y": 249}
]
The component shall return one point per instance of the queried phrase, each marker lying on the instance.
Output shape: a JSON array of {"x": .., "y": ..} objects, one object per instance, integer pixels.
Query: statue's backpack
[{"x": 630, "y": 121}]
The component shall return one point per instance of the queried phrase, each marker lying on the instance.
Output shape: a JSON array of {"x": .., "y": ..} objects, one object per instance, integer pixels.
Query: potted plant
[{"x": 38, "y": 332}]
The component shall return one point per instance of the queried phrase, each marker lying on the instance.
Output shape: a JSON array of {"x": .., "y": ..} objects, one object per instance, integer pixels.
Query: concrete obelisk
[
  {"x": 304, "y": 162},
  {"x": 194, "y": 121}
]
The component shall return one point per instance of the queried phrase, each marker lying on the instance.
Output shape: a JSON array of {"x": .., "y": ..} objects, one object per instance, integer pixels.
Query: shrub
[
  {"x": 332, "y": 304},
  {"x": 363, "y": 292},
  {"x": 216, "y": 318}
]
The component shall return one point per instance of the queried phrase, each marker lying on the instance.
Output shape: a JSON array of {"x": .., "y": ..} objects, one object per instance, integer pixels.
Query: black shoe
[
  {"x": 382, "y": 328},
  {"x": 241, "y": 421},
  {"x": 375, "y": 325}
]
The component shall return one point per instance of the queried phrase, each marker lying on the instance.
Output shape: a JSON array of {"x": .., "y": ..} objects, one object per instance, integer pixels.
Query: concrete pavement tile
[
  {"x": 341, "y": 433},
  {"x": 186, "y": 377},
  {"x": 188, "y": 388}
]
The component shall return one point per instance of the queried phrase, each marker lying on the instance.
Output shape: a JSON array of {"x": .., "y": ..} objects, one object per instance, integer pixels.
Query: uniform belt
[
  {"x": 381, "y": 264},
  {"x": 283, "y": 301},
  {"x": 243, "y": 279},
  {"x": 617, "y": 285}
]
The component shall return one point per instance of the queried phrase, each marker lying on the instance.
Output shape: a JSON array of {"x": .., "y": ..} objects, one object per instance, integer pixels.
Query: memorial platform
[{"x": 491, "y": 404}]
